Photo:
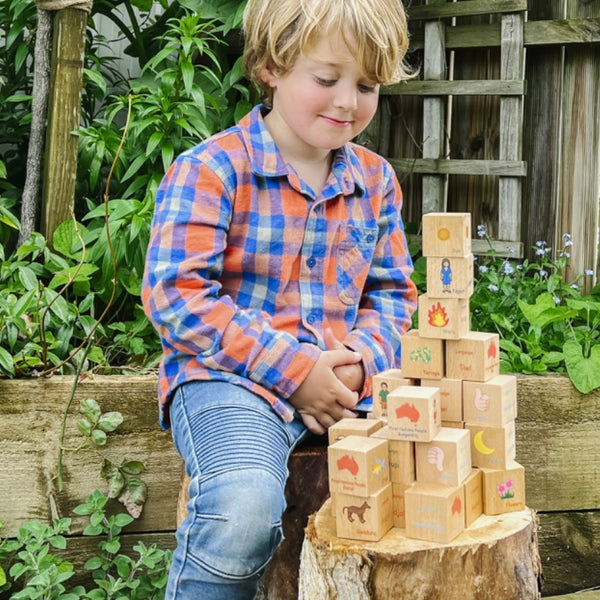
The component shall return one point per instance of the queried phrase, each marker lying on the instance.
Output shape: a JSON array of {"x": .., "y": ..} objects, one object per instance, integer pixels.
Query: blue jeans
[{"x": 235, "y": 450}]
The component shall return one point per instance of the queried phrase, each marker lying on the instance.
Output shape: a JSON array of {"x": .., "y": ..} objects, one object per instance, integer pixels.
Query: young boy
[{"x": 278, "y": 278}]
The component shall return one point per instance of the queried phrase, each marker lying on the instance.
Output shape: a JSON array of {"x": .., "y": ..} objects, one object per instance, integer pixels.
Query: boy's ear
[{"x": 267, "y": 74}]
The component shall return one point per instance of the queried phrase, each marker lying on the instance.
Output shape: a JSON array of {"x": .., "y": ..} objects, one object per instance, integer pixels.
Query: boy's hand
[
  {"x": 323, "y": 399},
  {"x": 351, "y": 375}
]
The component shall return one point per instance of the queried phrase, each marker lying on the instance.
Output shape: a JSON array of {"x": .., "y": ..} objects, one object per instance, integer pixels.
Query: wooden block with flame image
[{"x": 445, "y": 318}]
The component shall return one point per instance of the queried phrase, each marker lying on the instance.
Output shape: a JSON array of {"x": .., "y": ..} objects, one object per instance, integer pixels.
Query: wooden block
[
  {"x": 451, "y": 401},
  {"x": 492, "y": 447},
  {"x": 444, "y": 318},
  {"x": 364, "y": 518},
  {"x": 447, "y": 234},
  {"x": 358, "y": 465},
  {"x": 434, "y": 512},
  {"x": 475, "y": 357},
  {"x": 401, "y": 456},
  {"x": 398, "y": 507},
  {"x": 450, "y": 277},
  {"x": 492, "y": 403},
  {"x": 383, "y": 384},
  {"x": 414, "y": 413},
  {"x": 504, "y": 489},
  {"x": 446, "y": 459},
  {"x": 473, "y": 496},
  {"x": 350, "y": 426},
  {"x": 422, "y": 357},
  {"x": 454, "y": 424}
]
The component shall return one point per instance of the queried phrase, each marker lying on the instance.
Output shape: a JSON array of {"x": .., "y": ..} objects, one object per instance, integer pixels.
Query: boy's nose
[{"x": 346, "y": 97}]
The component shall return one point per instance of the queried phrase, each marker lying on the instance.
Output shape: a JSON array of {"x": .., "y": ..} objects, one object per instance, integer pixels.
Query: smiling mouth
[{"x": 337, "y": 122}]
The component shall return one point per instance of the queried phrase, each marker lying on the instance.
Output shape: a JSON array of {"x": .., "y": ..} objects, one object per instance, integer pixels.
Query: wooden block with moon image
[
  {"x": 401, "y": 456},
  {"x": 447, "y": 234},
  {"x": 492, "y": 447},
  {"x": 358, "y": 465},
  {"x": 383, "y": 384},
  {"x": 492, "y": 403},
  {"x": 476, "y": 356},
  {"x": 350, "y": 426},
  {"x": 473, "y": 495},
  {"x": 450, "y": 397},
  {"x": 364, "y": 518},
  {"x": 450, "y": 277},
  {"x": 446, "y": 459},
  {"x": 434, "y": 512},
  {"x": 422, "y": 357},
  {"x": 504, "y": 489},
  {"x": 444, "y": 318},
  {"x": 414, "y": 413}
]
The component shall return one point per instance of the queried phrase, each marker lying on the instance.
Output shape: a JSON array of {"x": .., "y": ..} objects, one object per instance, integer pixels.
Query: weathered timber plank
[
  {"x": 31, "y": 414},
  {"x": 472, "y": 87},
  {"x": 466, "y": 9},
  {"x": 514, "y": 168},
  {"x": 557, "y": 442},
  {"x": 589, "y": 595}
]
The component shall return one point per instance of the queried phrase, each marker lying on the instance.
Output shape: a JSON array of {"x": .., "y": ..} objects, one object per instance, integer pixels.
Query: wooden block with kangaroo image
[{"x": 364, "y": 517}]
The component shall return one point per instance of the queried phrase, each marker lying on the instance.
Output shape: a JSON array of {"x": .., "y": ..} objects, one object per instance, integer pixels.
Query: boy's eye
[
  {"x": 324, "y": 82},
  {"x": 367, "y": 89}
]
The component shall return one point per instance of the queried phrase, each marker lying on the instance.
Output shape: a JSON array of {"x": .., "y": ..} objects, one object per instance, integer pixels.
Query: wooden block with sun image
[
  {"x": 450, "y": 277},
  {"x": 358, "y": 465},
  {"x": 475, "y": 357},
  {"x": 434, "y": 512},
  {"x": 414, "y": 413},
  {"x": 504, "y": 489},
  {"x": 447, "y": 234},
  {"x": 366, "y": 518},
  {"x": 492, "y": 447},
  {"x": 443, "y": 318}
]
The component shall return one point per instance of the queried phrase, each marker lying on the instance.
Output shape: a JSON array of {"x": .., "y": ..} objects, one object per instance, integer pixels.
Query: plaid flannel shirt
[{"x": 246, "y": 266}]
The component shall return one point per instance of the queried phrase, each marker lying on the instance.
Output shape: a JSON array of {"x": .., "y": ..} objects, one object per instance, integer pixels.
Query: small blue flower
[
  {"x": 568, "y": 244},
  {"x": 566, "y": 237},
  {"x": 574, "y": 286},
  {"x": 543, "y": 274},
  {"x": 556, "y": 299},
  {"x": 508, "y": 268},
  {"x": 481, "y": 232},
  {"x": 492, "y": 287},
  {"x": 589, "y": 272},
  {"x": 540, "y": 244},
  {"x": 511, "y": 249},
  {"x": 483, "y": 269}
]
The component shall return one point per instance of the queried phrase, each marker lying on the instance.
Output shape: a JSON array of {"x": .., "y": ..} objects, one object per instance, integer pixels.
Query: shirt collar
[{"x": 266, "y": 160}]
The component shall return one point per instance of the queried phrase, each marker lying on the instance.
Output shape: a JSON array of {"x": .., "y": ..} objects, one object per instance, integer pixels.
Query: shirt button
[
  {"x": 311, "y": 262},
  {"x": 310, "y": 319},
  {"x": 370, "y": 238}
]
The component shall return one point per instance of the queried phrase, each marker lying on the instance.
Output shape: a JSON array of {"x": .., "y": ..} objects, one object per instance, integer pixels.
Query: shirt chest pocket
[{"x": 355, "y": 250}]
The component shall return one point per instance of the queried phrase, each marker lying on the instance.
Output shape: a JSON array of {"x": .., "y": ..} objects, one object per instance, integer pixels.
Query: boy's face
[{"x": 324, "y": 101}]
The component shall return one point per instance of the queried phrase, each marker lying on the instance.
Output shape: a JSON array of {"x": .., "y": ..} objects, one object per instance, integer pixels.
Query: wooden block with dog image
[
  {"x": 447, "y": 234},
  {"x": 358, "y": 465},
  {"x": 383, "y": 384},
  {"x": 444, "y": 318},
  {"x": 450, "y": 277},
  {"x": 363, "y": 518},
  {"x": 414, "y": 413},
  {"x": 422, "y": 357},
  {"x": 492, "y": 403}
]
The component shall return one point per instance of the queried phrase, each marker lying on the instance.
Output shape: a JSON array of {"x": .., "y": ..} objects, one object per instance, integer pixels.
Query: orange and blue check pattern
[{"x": 246, "y": 267}]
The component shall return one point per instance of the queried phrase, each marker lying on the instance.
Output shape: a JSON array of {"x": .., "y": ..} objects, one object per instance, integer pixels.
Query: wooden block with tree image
[
  {"x": 422, "y": 357},
  {"x": 447, "y": 234},
  {"x": 444, "y": 318}
]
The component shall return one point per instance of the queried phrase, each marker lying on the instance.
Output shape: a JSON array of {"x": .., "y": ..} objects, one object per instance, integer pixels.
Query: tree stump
[{"x": 496, "y": 558}]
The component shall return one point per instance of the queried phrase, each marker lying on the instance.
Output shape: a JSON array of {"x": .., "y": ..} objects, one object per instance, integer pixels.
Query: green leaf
[
  {"x": 6, "y": 362},
  {"x": 544, "y": 311},
  {"x": 110, "y": 421},
  {"x": 98, "y": 437},
  {"x": 91, "y": 409},
  {"x": 133, "y": 467},
  {"x": 583, "y": 372}
]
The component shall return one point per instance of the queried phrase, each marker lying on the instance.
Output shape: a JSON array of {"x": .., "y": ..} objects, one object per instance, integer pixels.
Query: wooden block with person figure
[
  {"x": 475, "y": 356},
  {"x": 422, "y": 357},
  {"x": 383, "y": 384},
  {"x": 364, "y": 518},
  {"x": 447, "y": 234},
  {"x": 358, "y": 465},
  {"x": 492, "y": 403},
  {"x": 414, "y": 413},
  {"x": 444, "y": 318},
  {"x": 450, "y": 277}
]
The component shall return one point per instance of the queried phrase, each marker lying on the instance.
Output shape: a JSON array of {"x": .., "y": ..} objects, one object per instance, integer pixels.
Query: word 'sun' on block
[
  {"x": 414, "y": 413},
  {"x": 492, "y": 447},
  {"x": 447, "y": 234},
  {"x": 434, "y": 512},
  {"x": 492, "y": 403},
  {"x": 398, "y": 508},
  {"x": 358, "y": 465},
  {"x": 476, "y": 356},
  {"x": 473, "y": 496},
  {"x": 504, "y": 489},
  {"x": 348, "y": 426},
  {"x": 444, "y": 318},
  {"x": 446, "y": 459},
  {"x": 360, "y": 518},
  {"x": 450, "y": 277},
  {"x": 401, "y": 456},
  {"x": 451, "y": 401},
  {"x": 422, "y": 357},
  {"x": 383, "y": 384}
]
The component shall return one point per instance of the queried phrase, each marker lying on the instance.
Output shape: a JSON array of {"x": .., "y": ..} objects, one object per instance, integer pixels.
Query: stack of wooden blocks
[{"x": 440, "y": 448}]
